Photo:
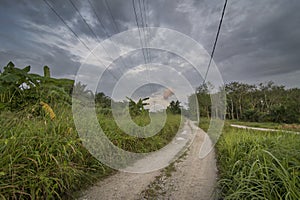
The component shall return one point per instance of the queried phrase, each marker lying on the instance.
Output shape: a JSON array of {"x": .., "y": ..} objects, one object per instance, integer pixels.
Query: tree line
[{"x": 264, "y": 102}]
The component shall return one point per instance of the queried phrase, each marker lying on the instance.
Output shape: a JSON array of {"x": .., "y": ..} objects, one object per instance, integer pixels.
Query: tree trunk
[
  {"x": 232, "y": 113},
  {"x": 240, "y": 107}
]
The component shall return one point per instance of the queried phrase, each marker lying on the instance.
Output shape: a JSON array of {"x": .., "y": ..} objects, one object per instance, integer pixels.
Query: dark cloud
[
  {"x": 258, "y": 40},
  {"x": 265, "y": 42},
  {"x": 56, "y": 57}
]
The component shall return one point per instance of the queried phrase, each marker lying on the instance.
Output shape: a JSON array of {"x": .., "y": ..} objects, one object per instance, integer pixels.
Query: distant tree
[
  {"x": 262, "y": 102},
  {"x": 80, "y": 90},
  {"x": 102, "y": 100},
  {"x": 138, "y": 108},
  {"x": 174, "y": 107},
  {"x": 192, "y": 107},
  {"x": 238, "y": 98},
  {"x": 204, "y": 101}
]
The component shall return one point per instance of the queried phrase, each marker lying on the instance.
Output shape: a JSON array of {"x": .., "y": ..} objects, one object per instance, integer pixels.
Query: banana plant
[
  {"x": 19, "y": 88},
  {"x": 137, "y": 108}
]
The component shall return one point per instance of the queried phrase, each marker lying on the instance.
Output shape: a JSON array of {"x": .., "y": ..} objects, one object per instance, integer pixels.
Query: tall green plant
[
  {"x": 174, "y": 107},
  {"x": 137, "y": 108},
  {"x": 16, "y": 86},
  {"x": 19, "y": 88}
]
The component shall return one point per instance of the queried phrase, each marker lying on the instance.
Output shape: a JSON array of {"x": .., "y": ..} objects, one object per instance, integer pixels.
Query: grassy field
[
  {"x": 45, "y": 159},
  {"x": 258, "y": 165}
]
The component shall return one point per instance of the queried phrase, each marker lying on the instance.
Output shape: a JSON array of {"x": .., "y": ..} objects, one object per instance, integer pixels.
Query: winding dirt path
[{"x": 191, "y": 178}]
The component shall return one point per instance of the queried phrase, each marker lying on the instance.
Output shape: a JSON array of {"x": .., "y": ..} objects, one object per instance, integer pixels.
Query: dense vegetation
[
  {"x": 174, "y": 107},
  {"x": 257, "y": 103},
  {"x": 257, "y": 165},
  {"x": 42, "y": 156},
  {"x": 20, "y": 89}
]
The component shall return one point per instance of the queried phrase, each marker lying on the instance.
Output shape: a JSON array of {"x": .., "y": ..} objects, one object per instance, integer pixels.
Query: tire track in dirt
[{"x": 192, "y": 178}]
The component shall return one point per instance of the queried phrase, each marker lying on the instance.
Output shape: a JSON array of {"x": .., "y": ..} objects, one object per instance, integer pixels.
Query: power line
[
  {"x": 81, "y": 41},
  {"x": 95, "y": 35},
  {"x": 115, "y": 24},
  {"x": 104, "y": 30},
  {"x": 77, "y": 10},
  {"x": 215, "y": 43},
  {"x": 146, "y": 41},
  {"x": 143, "y": 28},
  {"x": 58, "y": 15},
  {"x": 144, "y": 25},
  {"x": 111, "y": 15},
  {"x": 146, "y": 61},
  {"x": 98, "y": 18},
  {"x": 147, "y": 28},
  {"x": 136, "y": 19}
]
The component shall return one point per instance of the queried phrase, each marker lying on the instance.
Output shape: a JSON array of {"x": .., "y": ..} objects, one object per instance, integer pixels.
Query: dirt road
[
  {"x": 262, "y": 129},
  {"x": 190, "y": 177}
]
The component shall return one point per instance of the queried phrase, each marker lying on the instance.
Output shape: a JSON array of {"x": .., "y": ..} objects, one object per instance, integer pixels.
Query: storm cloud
[{"x": 259, "y": 40}]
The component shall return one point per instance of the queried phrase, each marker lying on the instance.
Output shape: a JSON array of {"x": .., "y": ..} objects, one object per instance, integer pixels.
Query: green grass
[
  {"x": 45, "y": 159},
  {"x": 140, "y": 145},
  {"x": 204, "y": 123},
  {"x": 258, "y": 165},
  {"x": 41, "y": 158}
]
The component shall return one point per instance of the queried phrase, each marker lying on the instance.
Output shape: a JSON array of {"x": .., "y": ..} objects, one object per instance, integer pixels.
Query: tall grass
[
  {"x": 136, "y": 144},
  {"x": 258, "y": 165},
  {"x": 45, "y": 159}
]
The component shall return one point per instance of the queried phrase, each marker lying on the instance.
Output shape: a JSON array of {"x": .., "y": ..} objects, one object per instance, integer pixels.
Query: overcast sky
[{"x": 259, "y": 39}]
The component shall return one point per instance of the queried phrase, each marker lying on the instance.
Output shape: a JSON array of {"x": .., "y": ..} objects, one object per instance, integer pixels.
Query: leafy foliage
[
  {"x": 15, "y": 84},
  {"x": 258, "y": 103},
  {"x": 102, "y": 100},
  {"x": 20, "y": 89},
  {"x": 137, "y": 108},
  {"x": 45, "y": 159},
  {"x": 42, "y": 156},
  {"x": 174, "y": 107}
]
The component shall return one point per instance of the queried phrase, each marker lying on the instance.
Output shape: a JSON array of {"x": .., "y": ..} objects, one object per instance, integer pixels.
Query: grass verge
[
  {"x": 258, "y": 165},
  {"x": 45, "y": 159}
]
